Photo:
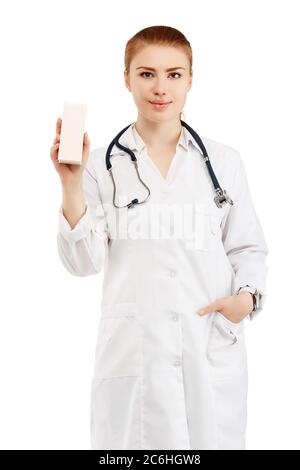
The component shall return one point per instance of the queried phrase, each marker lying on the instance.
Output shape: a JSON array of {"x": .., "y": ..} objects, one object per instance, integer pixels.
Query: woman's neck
[{"x": 162, "y": 135}]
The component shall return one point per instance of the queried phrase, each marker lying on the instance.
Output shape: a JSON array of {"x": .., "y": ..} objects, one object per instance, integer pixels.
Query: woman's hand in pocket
[{"x": 235, "y": 307}]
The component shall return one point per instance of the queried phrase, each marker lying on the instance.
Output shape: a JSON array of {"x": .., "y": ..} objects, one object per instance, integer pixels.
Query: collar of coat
[{"x": 131, "y": 139}]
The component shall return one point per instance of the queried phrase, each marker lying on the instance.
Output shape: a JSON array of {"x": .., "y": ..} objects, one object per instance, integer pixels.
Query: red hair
[{"x": 157, "y": 35}]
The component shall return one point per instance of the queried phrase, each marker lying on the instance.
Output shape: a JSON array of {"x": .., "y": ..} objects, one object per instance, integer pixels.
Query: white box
[{"x": 72, "y": 133}]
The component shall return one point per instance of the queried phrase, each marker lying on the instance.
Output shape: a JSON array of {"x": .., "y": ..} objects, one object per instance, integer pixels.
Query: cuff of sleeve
[
  {"x": 262, "y": 299},
  {"x": 80, "y": 230}
]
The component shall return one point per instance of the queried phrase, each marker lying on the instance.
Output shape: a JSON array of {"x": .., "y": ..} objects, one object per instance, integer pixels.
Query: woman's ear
[{"x": 127, "y": 81}]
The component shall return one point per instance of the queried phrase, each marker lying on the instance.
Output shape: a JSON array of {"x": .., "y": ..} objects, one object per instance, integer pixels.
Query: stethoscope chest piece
[{"x": 222, "y": 198}]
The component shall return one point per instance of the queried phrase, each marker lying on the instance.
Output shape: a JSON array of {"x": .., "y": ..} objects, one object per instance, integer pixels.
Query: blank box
[{"x": 72, "y": 133}]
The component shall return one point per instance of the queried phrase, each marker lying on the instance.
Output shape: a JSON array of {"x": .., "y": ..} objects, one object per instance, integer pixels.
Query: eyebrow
[{"x": 167, "y": 70}]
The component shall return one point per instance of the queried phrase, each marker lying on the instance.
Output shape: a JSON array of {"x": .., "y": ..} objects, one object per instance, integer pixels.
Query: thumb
[{"x": 86, "y": 147}]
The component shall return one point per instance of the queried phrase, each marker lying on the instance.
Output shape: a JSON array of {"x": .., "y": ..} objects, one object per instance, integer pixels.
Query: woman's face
[{"x": 159, "y": 84}]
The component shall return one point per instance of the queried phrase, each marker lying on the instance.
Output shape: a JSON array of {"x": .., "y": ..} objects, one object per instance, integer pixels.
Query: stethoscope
[{"x": 221, "y": 197}]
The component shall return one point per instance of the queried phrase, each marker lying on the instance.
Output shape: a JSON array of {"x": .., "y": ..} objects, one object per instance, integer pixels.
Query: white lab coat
[{"x": 165, "y": 377}]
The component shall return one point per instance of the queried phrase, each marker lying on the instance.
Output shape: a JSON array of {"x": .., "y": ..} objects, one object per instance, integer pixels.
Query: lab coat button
[
  {"x": 177, "y": 363},
  {"x": 172, "y": 273},
  {"x": 175, "y": 317}
]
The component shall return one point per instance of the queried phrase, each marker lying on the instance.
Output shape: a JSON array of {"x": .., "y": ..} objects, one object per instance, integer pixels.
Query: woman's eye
[{"x": 173, "y": 73}]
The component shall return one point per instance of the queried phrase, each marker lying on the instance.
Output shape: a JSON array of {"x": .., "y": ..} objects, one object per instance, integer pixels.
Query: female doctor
[{"x": 181, "y": 273}]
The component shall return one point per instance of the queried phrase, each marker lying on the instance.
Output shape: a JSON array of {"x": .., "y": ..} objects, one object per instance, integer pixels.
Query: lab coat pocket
[
  {"x": 118, "y": 349},
  {"x": 226, "y": 349}
]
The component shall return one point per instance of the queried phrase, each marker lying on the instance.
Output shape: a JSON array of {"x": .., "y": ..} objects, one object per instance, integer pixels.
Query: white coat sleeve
[
  {"x": 244, "y": 240},
  {"x": 82, "y": 250}
]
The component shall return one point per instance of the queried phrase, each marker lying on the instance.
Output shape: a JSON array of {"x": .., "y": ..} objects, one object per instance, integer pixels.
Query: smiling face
[{"x": 151, "y": 80}]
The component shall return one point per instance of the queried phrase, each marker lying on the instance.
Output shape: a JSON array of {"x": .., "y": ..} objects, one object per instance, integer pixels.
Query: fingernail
[{"x": 201, "y": 311}]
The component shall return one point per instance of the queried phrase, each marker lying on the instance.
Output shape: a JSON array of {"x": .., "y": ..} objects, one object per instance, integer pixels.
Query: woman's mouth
[{"x": 160, "y": 105}]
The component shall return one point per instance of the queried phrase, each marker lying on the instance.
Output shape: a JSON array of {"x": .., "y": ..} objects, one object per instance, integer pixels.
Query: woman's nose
[{"x": 159, "y": 87}]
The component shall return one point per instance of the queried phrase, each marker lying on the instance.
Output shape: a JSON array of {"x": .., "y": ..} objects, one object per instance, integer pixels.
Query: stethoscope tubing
[{"x": 221, "y": 195}]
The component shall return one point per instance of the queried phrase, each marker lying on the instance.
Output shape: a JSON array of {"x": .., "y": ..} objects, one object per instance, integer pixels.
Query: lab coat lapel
[{"x": 176, "y": 163}]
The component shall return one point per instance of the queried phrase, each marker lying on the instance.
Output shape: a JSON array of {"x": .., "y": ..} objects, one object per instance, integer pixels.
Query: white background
[{"x": 245, "y": 94}]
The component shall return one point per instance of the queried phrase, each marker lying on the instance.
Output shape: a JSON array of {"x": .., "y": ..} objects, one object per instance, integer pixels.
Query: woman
[{"x": 167, "y": 376}]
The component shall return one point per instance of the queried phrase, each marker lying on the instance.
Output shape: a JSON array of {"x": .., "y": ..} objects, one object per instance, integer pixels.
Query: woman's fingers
[
  {"x": 58, "y": 125},
  {"x": 58, "y": 129},
  {"x": 53, "y": 151},
  {"x": 86, "y": 140},
  {"x": 86, "y": 148},
  {"x": 56, "y": 139}
]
